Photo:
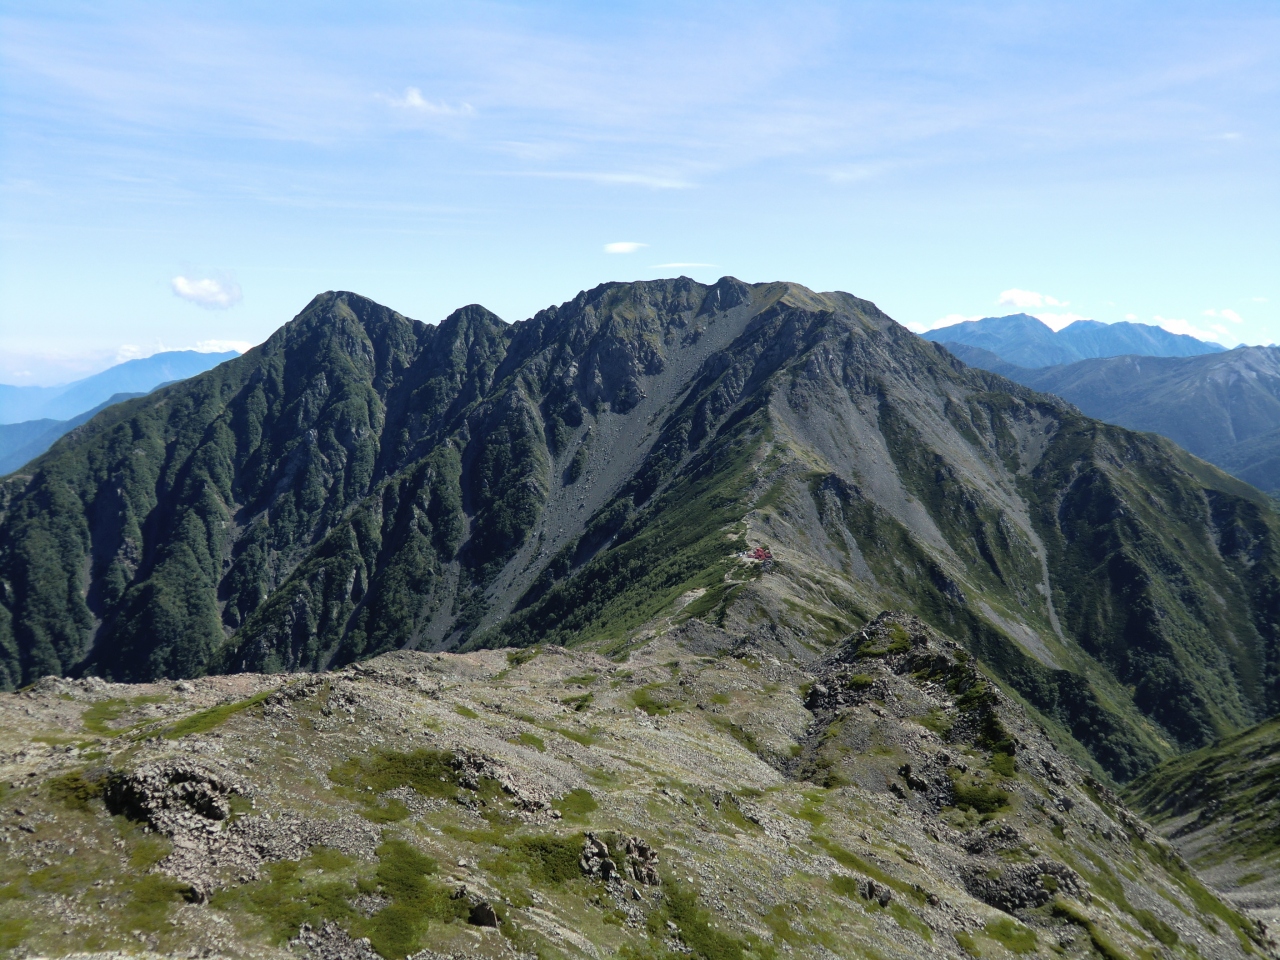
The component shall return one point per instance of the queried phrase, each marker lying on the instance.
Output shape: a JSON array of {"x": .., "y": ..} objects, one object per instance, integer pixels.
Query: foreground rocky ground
[{"x": 886, "y": 801}]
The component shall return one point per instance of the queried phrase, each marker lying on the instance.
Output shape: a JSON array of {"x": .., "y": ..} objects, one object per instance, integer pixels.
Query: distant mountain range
[
  {"x": 18, "y": 404},
  {"x": 1224, "y": 407},
  {"x": 1023, "y": 340},
  {"x": 55, "y": 411},
  {"x": 22, "y": 442}
]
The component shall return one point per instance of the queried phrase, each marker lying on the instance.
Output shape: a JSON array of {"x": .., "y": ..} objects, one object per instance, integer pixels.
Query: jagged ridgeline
[{"x": 363, "y": 482}]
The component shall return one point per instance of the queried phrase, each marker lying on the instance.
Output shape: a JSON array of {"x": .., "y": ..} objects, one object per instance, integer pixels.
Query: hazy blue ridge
[
  {"x": 19, "y": 404},
  {"x": 1224, "y": 407},
  {"x": 21, "y": 443},
  {"x": 1023, "y": 340}
]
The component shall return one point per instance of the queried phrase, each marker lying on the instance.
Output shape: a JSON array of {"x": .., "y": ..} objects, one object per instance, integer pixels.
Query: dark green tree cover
[{"x": 363, "y": 482}]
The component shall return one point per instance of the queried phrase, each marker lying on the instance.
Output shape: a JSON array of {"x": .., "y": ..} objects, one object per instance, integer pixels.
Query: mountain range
[
  {"x": 20, "y": 404},
  {"x": 23, "y": 442},
  {"x": 363, "y": 482},
  {"x": 1025, "y": 341},
  {"x": 1224, "y": 407}
]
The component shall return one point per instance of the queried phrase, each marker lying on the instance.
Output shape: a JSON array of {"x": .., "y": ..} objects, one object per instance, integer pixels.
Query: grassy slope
[
  {"x": 772, "y": 823},
  {"x": 1231, "y": 787}
]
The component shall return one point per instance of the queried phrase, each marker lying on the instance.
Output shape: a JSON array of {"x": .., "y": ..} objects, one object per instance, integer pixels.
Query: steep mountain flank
[
  {"x": 1029, "y": 342},
  {"x": 604, "y": 472},
  {"x": 1224, "y": 407},
  {"x": 886, "y": 801}
]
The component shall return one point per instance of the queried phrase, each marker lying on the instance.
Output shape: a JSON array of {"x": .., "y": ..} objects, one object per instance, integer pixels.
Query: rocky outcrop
[
  {"x": 1023, "y": 886},
  {"x": 639, "y": 861}
]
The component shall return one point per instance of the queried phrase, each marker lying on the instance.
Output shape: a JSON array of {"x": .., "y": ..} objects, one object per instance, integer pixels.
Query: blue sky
[{"x": 174, "y": 175}]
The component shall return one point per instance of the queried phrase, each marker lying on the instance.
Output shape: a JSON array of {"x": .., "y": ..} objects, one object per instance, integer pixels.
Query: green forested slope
[{"x": 363, "y": 482}]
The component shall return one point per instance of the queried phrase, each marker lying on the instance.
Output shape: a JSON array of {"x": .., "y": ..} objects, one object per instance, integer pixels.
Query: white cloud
[
  {"x": 623, "y": 246},
  {"x": 1259, "y": 299},
  {"x": 131, "y": 351},
  {"x": 222, "y": 346},
  {"x": 1056, "y": 321},
  {"x": 1131, "y": 316},
  {"x": 208, "y": 293},
  {"x": 1225, "y": 315},
  {"x": 414, "y": 100},
  {"x": 1028, "y": 298},
  {"x": 1180, "y": 325},
  {"x": 678, "y": 266}
]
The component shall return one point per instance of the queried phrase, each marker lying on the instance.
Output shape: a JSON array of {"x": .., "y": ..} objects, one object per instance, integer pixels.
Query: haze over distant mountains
[
  {"x": 1028, "y": 342},
  {"x": 18, "y": 404},
  {"x": 1223, "y": 406},
  {"x": 58, "y": 410}
]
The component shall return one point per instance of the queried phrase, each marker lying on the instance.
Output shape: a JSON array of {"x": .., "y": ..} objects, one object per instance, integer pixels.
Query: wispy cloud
[
  {"x": 210, "y": 293},
  {"x": 412, "y": 99},
  {"x": 652, "y": 181},
  {"x": 1022, "y": 299},
  {"x": 222, "y": 346},
  {"x": 1183, "y": 326},
  {"x": 678, "y": 266},
  {"x": 1225, "y": 315},
  {"x": 623, "y": 246}
]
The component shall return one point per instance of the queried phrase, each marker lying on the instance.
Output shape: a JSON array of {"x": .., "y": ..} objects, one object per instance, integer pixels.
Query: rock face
[
  {"x": 639, "y": 861},
  {"x": 885, "y": 800},
  {"x": 614, "y": 467},
  {"x": 176, "y": 796}
]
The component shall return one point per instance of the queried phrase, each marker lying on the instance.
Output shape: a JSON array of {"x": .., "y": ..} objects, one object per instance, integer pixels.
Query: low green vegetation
[
  {"x": 968, "y": 794},
  {"x": 430, "y": 773},
  {"x": 1101, "y": 942},
  {"x": 577, "y": 804},
  {"x": 1013, "y": 936},
  {"x": 643, "y": 697},
  {"x": 74, "y": 790},
  {"x": 693, "y": 922},
  {"x": 528, "y": 739},
  {"x": 324, "y": 885},
  {"x": 851, "y": 861},
  {"x": 99, "y": 717},
  {"x": 206, "y": 720},
  {"x": 1229, "y": 787}
]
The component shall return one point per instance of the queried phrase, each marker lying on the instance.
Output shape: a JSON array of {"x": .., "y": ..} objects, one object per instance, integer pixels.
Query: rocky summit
[{"x": 885, "y": 800}]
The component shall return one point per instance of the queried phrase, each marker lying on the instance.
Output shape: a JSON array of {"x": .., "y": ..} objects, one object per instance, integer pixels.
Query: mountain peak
[
  {"x": 761, "y": 466},
  {"x": 1026, "y": 341}
]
